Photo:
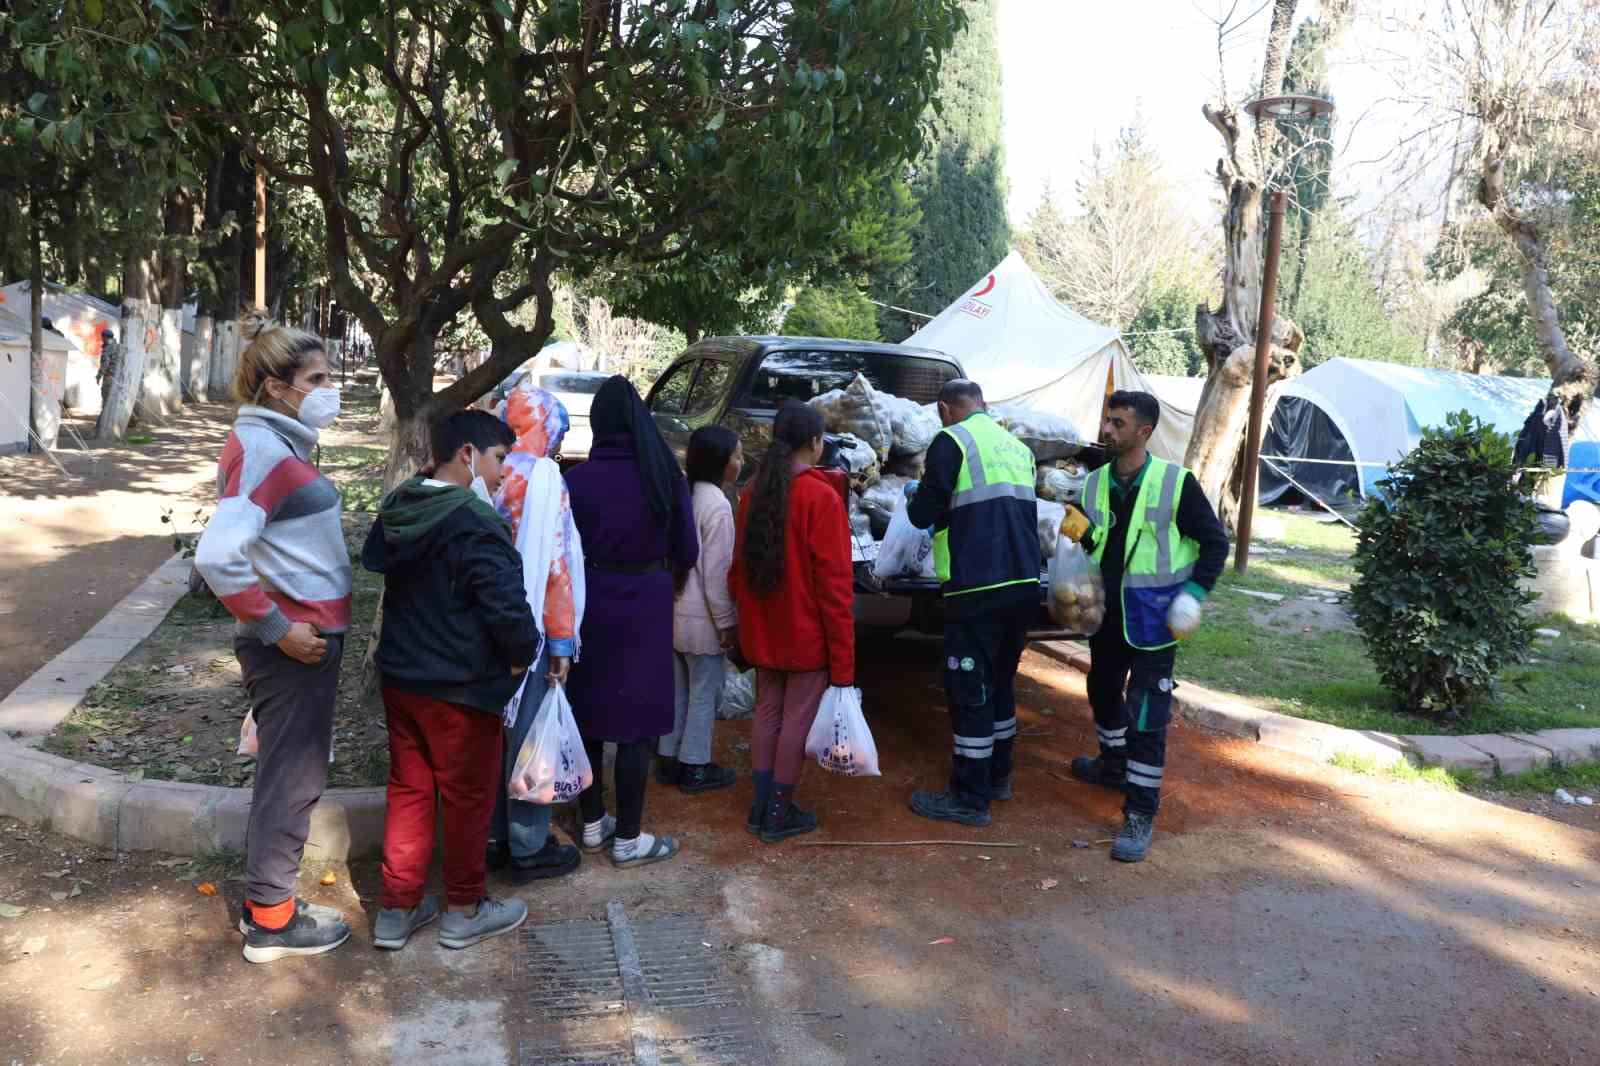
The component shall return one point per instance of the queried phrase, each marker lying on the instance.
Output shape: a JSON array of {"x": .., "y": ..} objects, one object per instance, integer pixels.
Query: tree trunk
[
  {"x": 1223, "y": 333},
  {"x": 138, "y": 309},
  {"x": 1572, "y": 378},
  {"x": 47, "y": 376}
]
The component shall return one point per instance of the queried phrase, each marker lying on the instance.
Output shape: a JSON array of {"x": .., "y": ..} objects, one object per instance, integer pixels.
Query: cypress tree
[{"x": 958, "y": 180}]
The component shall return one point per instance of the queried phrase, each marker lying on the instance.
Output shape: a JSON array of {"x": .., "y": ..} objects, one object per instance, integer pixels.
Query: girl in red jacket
[{"x": 793, "y": 583}]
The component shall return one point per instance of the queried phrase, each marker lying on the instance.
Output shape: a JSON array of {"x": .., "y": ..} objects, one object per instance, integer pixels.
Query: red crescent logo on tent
[{"x": 987, "y": 286}]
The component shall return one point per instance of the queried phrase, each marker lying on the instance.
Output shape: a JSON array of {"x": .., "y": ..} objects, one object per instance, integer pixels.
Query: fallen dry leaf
[
  {"x": 206, "y": 888},
  {"x": 942, "y": 940},
  {"x": 1048, "y": 883},
  {"x": 329, "y": 878}
]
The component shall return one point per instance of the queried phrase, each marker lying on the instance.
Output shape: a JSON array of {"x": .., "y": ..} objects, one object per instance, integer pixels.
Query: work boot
[
  {"x": 1000, "y": 790},
  {"x": 783, "y": 819},
  {"x": 395, "y": 925},
  {"x": 1097, "y": 771},
  {"x": 494, "y": 917},
  {"x": 555, "y": 859},
  {"x": 304, "y": 935},
  {"x": 705, "y": 778},
  {"x": 669, "y": 771},
  {"x": 1133, "y": 843},
  {"x": 947, "y": 807}
]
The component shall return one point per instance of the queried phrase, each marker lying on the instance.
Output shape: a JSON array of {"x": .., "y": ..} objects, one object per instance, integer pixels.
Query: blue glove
[{"x": 911, "y": 489}]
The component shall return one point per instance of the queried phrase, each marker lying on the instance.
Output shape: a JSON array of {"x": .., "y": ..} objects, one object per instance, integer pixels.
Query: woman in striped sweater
[{"x": 274, "y": 553}]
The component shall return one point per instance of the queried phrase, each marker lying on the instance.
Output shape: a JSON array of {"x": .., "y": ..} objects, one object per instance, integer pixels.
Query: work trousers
[
  {"x": 293, "y": 704},
  {"x": 1131, "y": 693},
  {"x": 441, "y": 755},
  {"x": 786, "y": 705},
  {"x": 981, "y": 658},
  {"x": 698, "y": 680}
]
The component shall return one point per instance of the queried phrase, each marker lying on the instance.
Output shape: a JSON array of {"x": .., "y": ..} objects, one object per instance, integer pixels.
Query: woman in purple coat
[{"x": 631, "y": 505}]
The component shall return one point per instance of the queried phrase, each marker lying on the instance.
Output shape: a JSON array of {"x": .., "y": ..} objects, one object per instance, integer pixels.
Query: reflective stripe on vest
[
  {"x": 985, "y": 475},
  {"x": 1157, "y": 559}
]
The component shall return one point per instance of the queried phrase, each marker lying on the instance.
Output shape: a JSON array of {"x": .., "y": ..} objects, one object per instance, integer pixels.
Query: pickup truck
[{"x": 740, "y": 382}]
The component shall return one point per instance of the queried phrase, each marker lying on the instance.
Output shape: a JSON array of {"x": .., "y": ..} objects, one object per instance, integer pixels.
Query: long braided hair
[{"x": 768, "y": 516}]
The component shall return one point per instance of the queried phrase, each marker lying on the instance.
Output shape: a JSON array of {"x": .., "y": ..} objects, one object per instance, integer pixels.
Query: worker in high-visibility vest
[
  {"x": 977, "y": 495},
  {"x": 1160, "y": 548}
]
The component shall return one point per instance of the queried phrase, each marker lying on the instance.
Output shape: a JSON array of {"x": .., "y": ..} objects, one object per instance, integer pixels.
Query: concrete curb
[
  {"x": 1485, "y": 753},
  {"x": 102, "y": 806}
]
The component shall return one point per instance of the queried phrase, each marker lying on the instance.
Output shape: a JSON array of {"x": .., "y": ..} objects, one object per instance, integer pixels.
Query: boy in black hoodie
[{"x": 457, "y": 636}]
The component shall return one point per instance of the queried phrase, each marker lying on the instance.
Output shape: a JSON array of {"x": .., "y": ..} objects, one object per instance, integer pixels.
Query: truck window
[
  {"x": 670, "y": 392},
  {"x": 708, "y": 387},
  {"x": 804, "y": 374}
]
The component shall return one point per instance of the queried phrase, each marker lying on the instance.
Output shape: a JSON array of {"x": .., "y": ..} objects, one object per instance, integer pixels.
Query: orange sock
[{"x": 274, "y": 915}]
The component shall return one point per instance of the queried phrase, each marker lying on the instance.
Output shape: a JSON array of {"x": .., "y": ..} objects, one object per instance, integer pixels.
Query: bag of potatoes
[{"x": 1077, "y": 591}]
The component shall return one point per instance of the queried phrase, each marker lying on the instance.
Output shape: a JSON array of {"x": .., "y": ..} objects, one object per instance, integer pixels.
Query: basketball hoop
[{"x": 1289, "y": 108}]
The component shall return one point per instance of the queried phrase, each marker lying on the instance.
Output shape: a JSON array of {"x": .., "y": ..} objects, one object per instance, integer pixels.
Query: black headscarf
[{"x": 618, "y": 411}]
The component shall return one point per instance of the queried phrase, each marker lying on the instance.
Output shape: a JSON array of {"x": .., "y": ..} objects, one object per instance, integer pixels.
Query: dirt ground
[
  {"x": 72, "y": 544},
  {"x": 1289, "y": 913}
]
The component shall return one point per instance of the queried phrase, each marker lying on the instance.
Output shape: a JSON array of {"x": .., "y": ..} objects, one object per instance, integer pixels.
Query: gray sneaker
[
  {"x": 1133, "y": 843},
  {"x": 495, "y": 915},
  {"x": 326, "y": 915},
  {"x": 395, "y": 926}
]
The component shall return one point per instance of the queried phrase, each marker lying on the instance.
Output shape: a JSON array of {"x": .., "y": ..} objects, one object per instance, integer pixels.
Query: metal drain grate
[
  {"x": 571, "y": 969},
  {"x": 624, "y": 993}
]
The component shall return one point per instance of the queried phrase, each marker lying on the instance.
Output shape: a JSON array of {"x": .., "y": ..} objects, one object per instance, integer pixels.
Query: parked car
[
  {"x": 575, "y": 389},
  {"x": 740, "y": 382}
]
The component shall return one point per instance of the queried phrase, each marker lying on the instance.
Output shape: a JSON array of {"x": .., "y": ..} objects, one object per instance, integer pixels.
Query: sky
[{"x": 1076, "y": 72}]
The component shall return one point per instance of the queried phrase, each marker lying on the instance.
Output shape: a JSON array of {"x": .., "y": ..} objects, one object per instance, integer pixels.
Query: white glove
[{"x": 1183, "y": 617}]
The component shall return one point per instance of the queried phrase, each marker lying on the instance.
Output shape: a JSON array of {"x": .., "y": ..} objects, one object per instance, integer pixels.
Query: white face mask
[
  {"x": 479, "y": 487},
  {"x": 319, "y": 408}
]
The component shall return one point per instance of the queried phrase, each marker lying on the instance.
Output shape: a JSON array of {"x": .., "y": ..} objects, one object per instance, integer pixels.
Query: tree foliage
[
  {"x": 1439, "y": 601},
  {"x": 832, "y": 311},
  {"x": 1339, "y": 305},
  {"x": 958, "y": 179}
]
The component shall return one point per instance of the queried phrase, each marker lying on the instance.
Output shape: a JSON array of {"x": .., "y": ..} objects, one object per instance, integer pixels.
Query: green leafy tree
[
  {"x": 1308, "y": 152},
  {"x": 1339, "y": 306},
  {"x": 821, "y": 311},
  {"x": 1439, "y": 601},
  {"x": 1160, "y": 336},
  {"x": 958, "y": 179}
]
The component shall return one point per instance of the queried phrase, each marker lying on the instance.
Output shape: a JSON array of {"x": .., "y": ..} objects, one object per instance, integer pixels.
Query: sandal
[{"x": 661, "y": 849}]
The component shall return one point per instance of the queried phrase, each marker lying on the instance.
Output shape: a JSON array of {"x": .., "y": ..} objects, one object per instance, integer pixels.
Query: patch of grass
[
  {"x": 1327, "y": 677},
  {"x": 1578, "y": 777},
  {"x": 221, "y": 864},
  {"x": 357, "y": 472},
  {"x": 1404, "y": 771}
]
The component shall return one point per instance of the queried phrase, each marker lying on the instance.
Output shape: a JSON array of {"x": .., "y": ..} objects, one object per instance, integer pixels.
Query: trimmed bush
[{"x": 1442, "y": 551}]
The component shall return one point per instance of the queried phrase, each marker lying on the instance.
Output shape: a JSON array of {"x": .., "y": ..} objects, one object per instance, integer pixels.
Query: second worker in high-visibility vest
[
  {"x": 977, "y": 495},
  {"x": 1148, "y": 526}
]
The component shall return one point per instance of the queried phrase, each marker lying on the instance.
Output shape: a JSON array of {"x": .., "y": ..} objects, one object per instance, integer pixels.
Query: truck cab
[{"x": 740, "y": 382}]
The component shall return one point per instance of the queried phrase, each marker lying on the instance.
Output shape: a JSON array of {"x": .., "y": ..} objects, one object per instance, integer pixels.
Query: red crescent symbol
[{"x": 986, "y": 287}]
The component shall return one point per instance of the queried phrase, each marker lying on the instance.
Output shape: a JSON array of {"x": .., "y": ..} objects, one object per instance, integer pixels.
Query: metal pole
[
  {"x": 261, "y": 238},
  {"x": 1258, "y": 385}
]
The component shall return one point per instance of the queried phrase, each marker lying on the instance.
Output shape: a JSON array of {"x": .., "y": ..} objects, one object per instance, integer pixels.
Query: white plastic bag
[
  {"x": 1077, "y": 589},
  {"x": 248, "y": 745},
  {"x": 839, "y": 739},
  {"x": 905, "y": 549},
  {"x": 738, "y": 694},
  {"x": 551, "y": 766},
  {"x": 1048, "y": 436}
]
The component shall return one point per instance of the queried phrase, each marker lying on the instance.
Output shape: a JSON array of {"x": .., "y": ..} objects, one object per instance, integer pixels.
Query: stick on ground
[{"x": 899, "y": 843}]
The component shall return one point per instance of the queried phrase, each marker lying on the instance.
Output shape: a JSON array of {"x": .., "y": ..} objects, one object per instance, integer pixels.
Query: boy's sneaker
[
  {"x": 1133, "y": 843},
  {"x": 784, "y": 821},
  {"x": 304, "y": 935},
  {"x": 555, "y": 859},
  {"x": 395, "y": 926},
  {"x": 669, "y": 771},
  {"x": 316, "y": 910},
  {"x": 495, "y": 915}
]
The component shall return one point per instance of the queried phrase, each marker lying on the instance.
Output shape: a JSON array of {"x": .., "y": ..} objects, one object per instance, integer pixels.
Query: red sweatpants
[
  {"x": 448, "y": 751},
  {"x": 786, "y": 705}
]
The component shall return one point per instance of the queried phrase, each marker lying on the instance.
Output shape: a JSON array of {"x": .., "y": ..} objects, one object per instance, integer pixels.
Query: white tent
[
  {"x": 81, "y": 319},
  {"x": 16, "y": 388},
  {"x": 1024, "y": 347}
]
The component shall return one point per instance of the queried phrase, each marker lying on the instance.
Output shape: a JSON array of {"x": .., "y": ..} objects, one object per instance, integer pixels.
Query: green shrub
[
  {"x": 1442, "y": 549},
  {"x": 825, "y": 311}
]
